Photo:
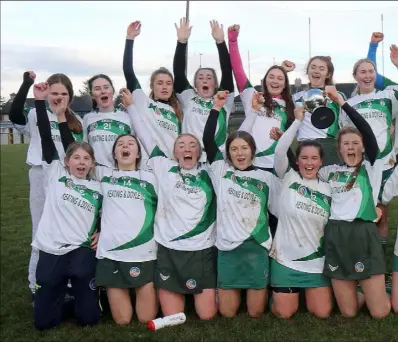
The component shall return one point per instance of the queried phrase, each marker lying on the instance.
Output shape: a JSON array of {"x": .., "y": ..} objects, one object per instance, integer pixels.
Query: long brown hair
[
  {"x": 74, "y": 146},
  {"x": 173, "y": 98},
  {"x": 286, "y": 95},
  {"x": 344, "y": 131},
  {"x": 329, "y": 65},
  {"x": 73, "y": 123}
]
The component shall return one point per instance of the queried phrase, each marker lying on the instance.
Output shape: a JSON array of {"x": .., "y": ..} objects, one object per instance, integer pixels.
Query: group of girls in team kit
[{"x": 160, "y": 199}]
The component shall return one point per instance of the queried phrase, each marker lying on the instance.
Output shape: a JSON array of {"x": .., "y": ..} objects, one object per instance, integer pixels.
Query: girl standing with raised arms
[
  {"x": 198, "y": 101},
  {"x": 184, "y": 224},
  {"x": 353, "y": 252},
  {"x": 160, "y": 111},
  {"x": 244, "y": 194},
  {"x": 66, "y": 236},
  {"x": 26, "y": 122},
  {"x": 297, "y": 249},
  {"x": 276, "y": 110},
  {"x": 320, "y": 70},
  {"x": 105, "y": 123}
]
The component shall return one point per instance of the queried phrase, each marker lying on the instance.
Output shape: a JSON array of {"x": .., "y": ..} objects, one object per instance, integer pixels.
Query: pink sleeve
[{"x": 236, "y": 61}]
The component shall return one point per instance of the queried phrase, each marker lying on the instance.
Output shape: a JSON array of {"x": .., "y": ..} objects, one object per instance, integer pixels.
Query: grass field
[{"x": 16, "y": 309}]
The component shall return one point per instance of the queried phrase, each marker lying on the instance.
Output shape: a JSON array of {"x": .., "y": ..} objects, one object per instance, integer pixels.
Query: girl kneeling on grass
[
  {"x": 126, "y": 248},
  {"x": 297, "y": 250},
  {"x": 66, "y": 236},
  {"x": 184, "y": 223},
  {"x": 244, "y": 194},
  {"x": 353, "y": 251}
]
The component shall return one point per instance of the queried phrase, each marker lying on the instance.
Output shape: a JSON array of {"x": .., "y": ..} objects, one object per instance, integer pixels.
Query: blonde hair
[
  {"x": 344, "y": 131},
  {"x": 192, "y": 136},
  {"x": 73, "y": 147},
  {"x": 355, "y": 69},
  {"x": 173, "y": 98}
]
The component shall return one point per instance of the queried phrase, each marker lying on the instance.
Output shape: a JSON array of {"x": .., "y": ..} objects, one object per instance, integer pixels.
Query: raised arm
[
  {"x": 181, "y": 82},
  {"x": 133, "y": 30},
  {"x": 211, "y": 126},
  {"x": 236, "y": 61},
  {"x": 49, "y": 150},
  {"x": 17, "y": 115},
  {"x": 227, "y": 81},
  {"x": 281, "y": 161},
  {"x": 368, "y": 137},
  {"x": 137, "y": 121}
]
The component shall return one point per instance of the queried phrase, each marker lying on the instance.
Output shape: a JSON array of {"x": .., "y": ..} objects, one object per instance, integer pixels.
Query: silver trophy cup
[{"x": 315, "y": 102}]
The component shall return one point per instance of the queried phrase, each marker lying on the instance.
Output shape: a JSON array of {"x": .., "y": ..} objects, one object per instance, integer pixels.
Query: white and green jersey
[
  {"x": 243, "y": 198},
  {"x": 360, "y": 201},
  {"x": 70, "y": 211},
  {"x": 259, "y": 125},
  {"x": 196, "y": 111},
  {"x": 186, "y": 214},
  {"x": 101, "y": 131},
  {"x": 389, "y": 185},
  {"x": 31, "y": 130},
  {"x": 128, "y": 215},
  {"x": 159, "y": 119},
  {"x": 303, "y": 214},
  {"x": 378, "y": 108},
  {"x": 307, "y": 130}
]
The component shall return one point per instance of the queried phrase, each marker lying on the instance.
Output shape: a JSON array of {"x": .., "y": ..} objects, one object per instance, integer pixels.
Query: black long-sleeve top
[
  {"x": 17, "y": 115},
  {"x": 128, "y": 69},
  {"x": 181, "y": 82},
  {"x": 49, "y": 150}
]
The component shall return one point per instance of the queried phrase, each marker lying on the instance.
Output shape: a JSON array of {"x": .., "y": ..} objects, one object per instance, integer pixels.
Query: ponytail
[
  {"x": 73, "y": 123},
  {"x": 176, "y": 106},
  {"x": 350, "y": 184}
]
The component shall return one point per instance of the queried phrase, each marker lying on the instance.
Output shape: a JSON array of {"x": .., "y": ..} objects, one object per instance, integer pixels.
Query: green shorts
[
  {"x": 282, "y": 276},
  {"x": 353, "y": 250},
  {"x": 124, "y": 275},
  {"x": 245, "y": 267},
  {"x": 330, "y": 152},
  {"x": 395, "y": 263},
  {"x": 186, "y": 272}
]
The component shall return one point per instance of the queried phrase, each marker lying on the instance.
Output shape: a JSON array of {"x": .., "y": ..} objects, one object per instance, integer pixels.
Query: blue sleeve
[{"x": 379, "y": 84}]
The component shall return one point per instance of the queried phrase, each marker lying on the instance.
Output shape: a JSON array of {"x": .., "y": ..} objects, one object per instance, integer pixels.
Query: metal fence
[{"x": 9, "y": 135}]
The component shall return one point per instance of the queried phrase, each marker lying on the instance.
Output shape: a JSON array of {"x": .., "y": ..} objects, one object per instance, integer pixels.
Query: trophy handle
[{"x": 327, "y": 98}]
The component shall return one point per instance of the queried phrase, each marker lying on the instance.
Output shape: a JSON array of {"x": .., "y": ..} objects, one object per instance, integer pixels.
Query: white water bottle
[{"x": 167, "y": 321}]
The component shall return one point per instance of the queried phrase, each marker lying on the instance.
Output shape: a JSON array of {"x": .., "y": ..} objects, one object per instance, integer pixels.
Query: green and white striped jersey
[
  {"x": 259, "y": 125},
  {"x": 360, "y": 201},
  {"x": 196, "y": 111},
  {"x": 303, "y": 213},
  {"x": 31, "y": 130},
  {"x": 101, "y": 131},
  {"x": 378, "y": 108},
  {"x": 307, "y": 130},
  {"x": 243, "y": 200},
  {"x": 128, "y": 215},
  {"x": 70, "y": 211},
  {"x": 186, "y": 214}
]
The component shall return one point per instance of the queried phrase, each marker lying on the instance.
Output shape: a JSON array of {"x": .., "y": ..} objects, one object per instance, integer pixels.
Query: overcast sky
[{"x": 83, "y": 38}]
